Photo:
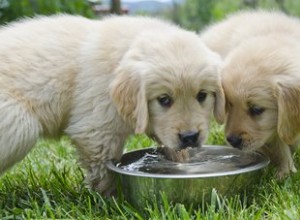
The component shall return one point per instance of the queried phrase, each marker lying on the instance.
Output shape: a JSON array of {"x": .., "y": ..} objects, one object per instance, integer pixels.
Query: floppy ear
[
  {"x": 288, "y": 125},
  {"x": 128, "y": 94},
  {"x": 219, "y": 107}
]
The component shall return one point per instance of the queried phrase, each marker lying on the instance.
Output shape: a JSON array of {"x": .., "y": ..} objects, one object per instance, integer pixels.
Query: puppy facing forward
[
  {"x": 98, "y": 82},
  {"x": 261, "y": 82}
]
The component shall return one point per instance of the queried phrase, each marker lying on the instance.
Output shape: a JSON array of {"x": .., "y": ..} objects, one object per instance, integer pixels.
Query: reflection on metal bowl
[{"x": 144, "y": 175}]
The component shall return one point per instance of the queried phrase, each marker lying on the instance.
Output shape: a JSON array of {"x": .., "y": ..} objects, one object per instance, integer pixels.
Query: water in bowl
[{"x": 202, "y": 161}]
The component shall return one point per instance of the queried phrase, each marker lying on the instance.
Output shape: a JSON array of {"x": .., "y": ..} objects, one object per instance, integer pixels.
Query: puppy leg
[
  {"x": 19, "y": 131},
  {"x": 281, "y": 156},
  {"x": 294, "y": 147},
  {"x": 287, "y": 166},
  {"x": 93, "y": 155},
  {"x": 95, "y": 147}
]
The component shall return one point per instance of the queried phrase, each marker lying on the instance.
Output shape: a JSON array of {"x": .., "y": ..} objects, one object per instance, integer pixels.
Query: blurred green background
[
  {"x": 15, "y": 9},
  {"x": 190, "y": 14},
  {"x": 194, "y": 14},
  {"x": 43, "y": 188}
]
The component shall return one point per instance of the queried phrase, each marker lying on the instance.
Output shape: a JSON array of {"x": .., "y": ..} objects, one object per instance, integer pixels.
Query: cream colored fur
[
  {"x": 261, "y": 71},
  {"x": 98, "y": 82}
]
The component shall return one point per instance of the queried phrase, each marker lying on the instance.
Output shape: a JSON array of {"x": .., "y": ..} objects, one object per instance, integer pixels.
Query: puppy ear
[
  {"x": 288, "y": 125},
  {"x": 128, "y": 94},
  {"x": 219, "y": 108}
]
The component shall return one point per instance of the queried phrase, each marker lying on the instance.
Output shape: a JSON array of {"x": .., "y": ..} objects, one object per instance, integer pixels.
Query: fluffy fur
[
  {"x": 98, "y": 82},
  {"x": 261, "y": 81}
]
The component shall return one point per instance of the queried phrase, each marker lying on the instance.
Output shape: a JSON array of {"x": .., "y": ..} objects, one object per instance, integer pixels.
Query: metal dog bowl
[{"x": 145, "y": 175}]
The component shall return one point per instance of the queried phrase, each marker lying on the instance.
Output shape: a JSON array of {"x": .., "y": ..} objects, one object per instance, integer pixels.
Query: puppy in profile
[
  {"x": 261, "y": 82},
  {"x": 100, "y": 81}
]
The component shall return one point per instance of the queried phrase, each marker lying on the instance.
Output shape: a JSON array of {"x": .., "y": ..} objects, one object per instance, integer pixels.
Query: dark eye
[
  {"x": 255, "y": 110},
  {"x": 165, "y": 100},
  {"x": 201, "y": 96}
]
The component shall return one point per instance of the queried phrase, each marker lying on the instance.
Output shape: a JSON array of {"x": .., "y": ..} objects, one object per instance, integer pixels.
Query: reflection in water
[{"x": 202, "y": 161}]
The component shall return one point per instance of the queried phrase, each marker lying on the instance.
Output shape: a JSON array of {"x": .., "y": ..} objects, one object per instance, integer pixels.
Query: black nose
[
  {"x": 188, "y": 139},
  {"x": 235, "y": 141}
]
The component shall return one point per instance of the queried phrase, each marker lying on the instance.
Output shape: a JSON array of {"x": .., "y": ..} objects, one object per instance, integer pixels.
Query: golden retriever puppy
[
  {"x": 261, "y": 82},
  {"x": 226, "y": 35},
  {"x": 100, "y": 81}
]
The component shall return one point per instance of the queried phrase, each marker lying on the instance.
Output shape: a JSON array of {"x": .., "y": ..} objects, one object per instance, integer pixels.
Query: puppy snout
[
  {"x": 188, "y": 139},
  {"x": 235, "y": 141}
]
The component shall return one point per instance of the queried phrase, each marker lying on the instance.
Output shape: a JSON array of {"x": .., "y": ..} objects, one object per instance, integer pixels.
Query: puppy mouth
[
  {"x": 240, "y": 143},
  {"x": 183, "y": 146},
  {"x": 179, "y": 152},
  {"x": 180, "y": 145},
  {"x": 247, "y": 147},
  {"x": 190, "y": 139}
]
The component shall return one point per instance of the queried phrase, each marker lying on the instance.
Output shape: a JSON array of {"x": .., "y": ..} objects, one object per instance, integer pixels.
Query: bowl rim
[{"x": 264, "y": 163}]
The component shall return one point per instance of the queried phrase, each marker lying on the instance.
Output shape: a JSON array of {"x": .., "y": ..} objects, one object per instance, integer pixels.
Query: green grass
[{"x": 48, "y": 183}]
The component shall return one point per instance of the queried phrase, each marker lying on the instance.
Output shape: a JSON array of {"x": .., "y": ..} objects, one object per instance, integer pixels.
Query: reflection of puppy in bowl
[
  {"x": 98, "y": 82},
  {"x": 261, "y": 81}
]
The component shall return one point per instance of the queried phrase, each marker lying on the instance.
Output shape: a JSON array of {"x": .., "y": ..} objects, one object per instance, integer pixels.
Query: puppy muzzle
[
  {"x": 235, "y": 141},
  {"x": 189, "y": 139}
]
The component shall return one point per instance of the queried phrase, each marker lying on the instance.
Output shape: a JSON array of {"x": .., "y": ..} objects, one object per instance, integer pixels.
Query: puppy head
[
  {"x": 260, "y": 88},
  {"x": 167, "y": 85}
]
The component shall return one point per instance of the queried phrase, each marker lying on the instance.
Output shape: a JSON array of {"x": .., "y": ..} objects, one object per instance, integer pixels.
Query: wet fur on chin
[
  {"x": 261, "y": 71},
  {"x": 98, "y": 82}
]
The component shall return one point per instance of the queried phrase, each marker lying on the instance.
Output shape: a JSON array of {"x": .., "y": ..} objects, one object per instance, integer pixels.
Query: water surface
[{"x": 202, "y": 161}]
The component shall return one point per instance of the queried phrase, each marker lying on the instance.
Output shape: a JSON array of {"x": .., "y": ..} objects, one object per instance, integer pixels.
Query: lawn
[{"x": 48, "y": 183}]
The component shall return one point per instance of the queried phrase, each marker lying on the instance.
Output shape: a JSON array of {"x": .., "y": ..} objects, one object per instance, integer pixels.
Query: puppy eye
[
  {"x": 201, "y": 96},
  {"x": 255, "y": 110},
  {"x": 165, "y": 100}
]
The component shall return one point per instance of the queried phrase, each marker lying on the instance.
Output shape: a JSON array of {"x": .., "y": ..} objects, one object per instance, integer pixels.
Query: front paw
[
  {"x": 103, "y": 184},
  {"x": 285, "y": 171}
]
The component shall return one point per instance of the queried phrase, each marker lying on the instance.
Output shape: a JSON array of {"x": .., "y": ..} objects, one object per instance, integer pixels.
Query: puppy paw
[
  {"x": 103, "y": 184},
  {"x": 293, "y": 169},
  {"x": 284, "y": 172},
  {"x": 280, "y": 175},
  {"x": 104, "y": 188}
]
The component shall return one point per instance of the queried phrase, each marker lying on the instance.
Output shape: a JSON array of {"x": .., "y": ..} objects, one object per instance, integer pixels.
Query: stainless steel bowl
[{"x": 144, "y": 175}]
